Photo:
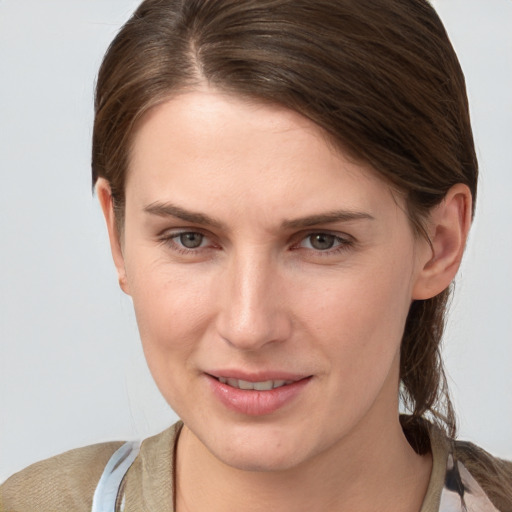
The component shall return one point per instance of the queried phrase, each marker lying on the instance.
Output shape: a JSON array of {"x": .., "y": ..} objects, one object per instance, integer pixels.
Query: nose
[{"x": 253, "y": 309}]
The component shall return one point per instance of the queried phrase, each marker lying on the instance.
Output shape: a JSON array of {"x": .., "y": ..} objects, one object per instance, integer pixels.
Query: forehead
[
  {"x": 212, "y": 117},
  {"x": 211, "y": 149}
]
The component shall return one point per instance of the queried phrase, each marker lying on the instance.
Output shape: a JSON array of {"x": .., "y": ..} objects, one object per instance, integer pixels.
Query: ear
[
  {"x": 104, "y": 194},
  {"x": 448, "y": 228}
]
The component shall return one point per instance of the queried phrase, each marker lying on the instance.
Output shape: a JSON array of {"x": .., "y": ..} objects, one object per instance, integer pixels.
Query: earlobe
[
  {"x": 449, "y": 225},
  {"x": 104, "y": 194}
]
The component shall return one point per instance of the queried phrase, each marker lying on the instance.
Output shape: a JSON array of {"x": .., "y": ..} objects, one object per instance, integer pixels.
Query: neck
[{"x": 362, "y": 472}]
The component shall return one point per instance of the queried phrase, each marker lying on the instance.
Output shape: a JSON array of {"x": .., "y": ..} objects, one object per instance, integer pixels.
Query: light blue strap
[{"x": 107, "y": 489}]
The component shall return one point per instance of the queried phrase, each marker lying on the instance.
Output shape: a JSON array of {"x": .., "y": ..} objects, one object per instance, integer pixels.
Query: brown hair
[{"x": 379, "y": 76}]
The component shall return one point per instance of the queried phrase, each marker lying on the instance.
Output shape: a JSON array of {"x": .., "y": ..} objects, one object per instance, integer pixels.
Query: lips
[{"x": 256, "y": 395}]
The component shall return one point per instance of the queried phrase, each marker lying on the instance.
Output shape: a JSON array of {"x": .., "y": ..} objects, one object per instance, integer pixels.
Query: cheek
[
  {"x": 172, "y": 310},
  {"x": 172, "y": 315},
  {"x": 358, "y": 322}
]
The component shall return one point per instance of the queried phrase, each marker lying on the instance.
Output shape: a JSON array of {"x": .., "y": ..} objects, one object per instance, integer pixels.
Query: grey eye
[
  {"x": 191, "y": 240},
  {"x": 322, "y": 241}
]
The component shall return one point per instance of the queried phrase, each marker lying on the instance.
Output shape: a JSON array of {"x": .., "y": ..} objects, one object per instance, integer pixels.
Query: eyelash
[{"x": 343, "y": 243}]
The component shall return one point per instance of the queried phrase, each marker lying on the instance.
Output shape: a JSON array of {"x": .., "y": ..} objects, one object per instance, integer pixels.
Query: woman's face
[{"x": 257, "y": 256}]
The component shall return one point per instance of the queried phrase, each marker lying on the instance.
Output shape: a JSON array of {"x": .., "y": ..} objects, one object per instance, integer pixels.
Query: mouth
[
  {"x": 257, "y": 394},
  {"x": 264, "y": 385}
]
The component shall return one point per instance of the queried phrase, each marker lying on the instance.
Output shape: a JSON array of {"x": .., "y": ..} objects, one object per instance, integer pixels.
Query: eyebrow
[
  {"x": 171, "y": 210},
  {"x": 326, "y": 218}
]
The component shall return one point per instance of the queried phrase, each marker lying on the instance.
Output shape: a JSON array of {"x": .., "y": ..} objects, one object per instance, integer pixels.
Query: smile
[
  {"x": 265, "y": 385},
  {"x": 257, "y": 397}
]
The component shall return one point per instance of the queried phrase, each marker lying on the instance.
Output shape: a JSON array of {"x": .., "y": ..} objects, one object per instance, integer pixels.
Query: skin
[{"x": 260, "y": 294}]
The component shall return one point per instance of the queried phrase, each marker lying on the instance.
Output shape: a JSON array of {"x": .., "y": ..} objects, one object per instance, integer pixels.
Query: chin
[
  {"x": 258, "y": 448},
  {"x": 256, "y": 460}
]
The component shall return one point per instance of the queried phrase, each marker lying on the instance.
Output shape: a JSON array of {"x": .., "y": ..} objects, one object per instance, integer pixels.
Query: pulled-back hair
[{"x": 379, "y": 76}]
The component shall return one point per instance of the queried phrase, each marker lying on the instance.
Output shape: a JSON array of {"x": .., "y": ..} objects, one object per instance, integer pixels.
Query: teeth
[
  {"x": 244, "y": 384},
  {"x": 233, "y": 383},
  {"x": 266, "y": 385},
  {"x": 263, "y": 386}
]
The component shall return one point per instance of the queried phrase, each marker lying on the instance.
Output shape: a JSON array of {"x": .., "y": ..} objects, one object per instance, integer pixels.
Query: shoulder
[
  {"x": 475, "y": 457},
  {"x": 150, "y": 480},
  {"x": 493, "y": 474},
  {"x": 64, "y": 482},
  {"x": 464, "y": 471}
]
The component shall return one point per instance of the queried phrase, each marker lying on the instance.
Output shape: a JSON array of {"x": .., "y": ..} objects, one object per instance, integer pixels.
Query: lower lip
[{"x": 256, "y": 403}]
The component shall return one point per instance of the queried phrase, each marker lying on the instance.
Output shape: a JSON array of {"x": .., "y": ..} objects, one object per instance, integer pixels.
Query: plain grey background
[{"x": 71, "y": 368}]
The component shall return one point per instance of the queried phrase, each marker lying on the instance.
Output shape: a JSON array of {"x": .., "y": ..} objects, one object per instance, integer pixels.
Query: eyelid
[
  {"x": 176, "y": 231},
  {"x": 310, "y": 232}
]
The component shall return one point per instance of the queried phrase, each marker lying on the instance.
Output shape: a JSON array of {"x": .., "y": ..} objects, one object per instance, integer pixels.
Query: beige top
[{"x": 67, "y": 482}]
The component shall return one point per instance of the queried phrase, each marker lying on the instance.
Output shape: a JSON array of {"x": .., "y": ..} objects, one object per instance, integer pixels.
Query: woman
[{"x": 288, "y": 188}]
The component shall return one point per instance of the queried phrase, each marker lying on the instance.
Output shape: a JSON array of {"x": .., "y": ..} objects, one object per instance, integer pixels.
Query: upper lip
[{"x": 260, "y": 376}]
